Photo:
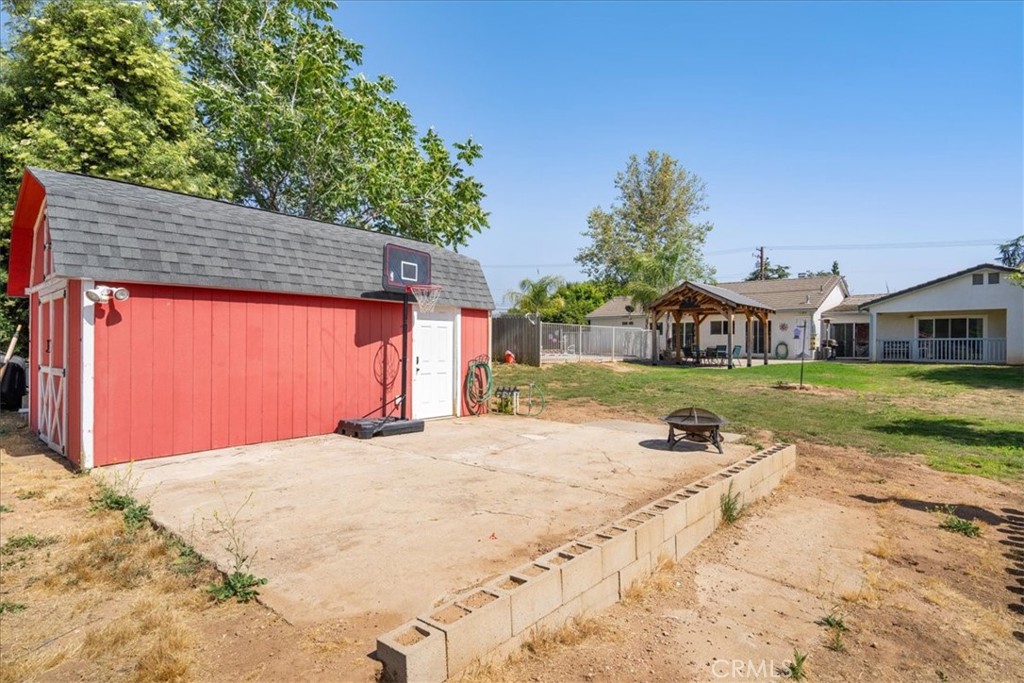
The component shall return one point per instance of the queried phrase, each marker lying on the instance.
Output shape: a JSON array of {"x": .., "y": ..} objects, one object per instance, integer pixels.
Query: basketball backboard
[{"x": 404, "y": 267}]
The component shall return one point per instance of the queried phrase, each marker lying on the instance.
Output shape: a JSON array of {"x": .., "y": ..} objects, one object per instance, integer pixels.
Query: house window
[
  {"x": 993, "y": 278},
  {"x": 627, "y": 322},
  {"x": 720, "y": 327},
  {"x": 950, "y": 328},
  {"x": 978, "y": 279}
]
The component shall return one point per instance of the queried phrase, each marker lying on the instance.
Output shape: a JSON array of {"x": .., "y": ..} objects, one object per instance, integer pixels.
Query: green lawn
[{"x": 961, "y": 418}]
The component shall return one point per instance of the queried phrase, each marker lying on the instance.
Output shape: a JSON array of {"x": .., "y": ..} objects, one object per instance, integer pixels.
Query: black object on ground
[{"x": 370, "y": 427}]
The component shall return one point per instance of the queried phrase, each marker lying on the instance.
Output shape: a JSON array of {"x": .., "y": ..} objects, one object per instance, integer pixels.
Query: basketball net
[{"x": 426, "y": 295}]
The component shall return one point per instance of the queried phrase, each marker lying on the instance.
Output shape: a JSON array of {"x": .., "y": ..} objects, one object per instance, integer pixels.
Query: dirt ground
[{"x": 850, "y": 535}]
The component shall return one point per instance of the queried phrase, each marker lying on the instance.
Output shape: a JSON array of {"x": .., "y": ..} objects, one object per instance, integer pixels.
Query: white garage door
[{"x": 433, "y": 362}]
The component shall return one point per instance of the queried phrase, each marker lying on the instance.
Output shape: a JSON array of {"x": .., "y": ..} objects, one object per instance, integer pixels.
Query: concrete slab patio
[{"x": 378, "y": 530}]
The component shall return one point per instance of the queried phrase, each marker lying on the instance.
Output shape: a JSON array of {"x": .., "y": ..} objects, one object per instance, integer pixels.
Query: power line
[{"x": 802, "y": 247}]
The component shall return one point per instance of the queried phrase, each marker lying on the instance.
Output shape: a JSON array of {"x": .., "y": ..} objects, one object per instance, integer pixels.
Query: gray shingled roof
[
  {"x": 109, "y": 230},
  {"x": 791, "y": 293},
  {"x": 852, "y": 303},
  {"x": 613, "y": 308}
]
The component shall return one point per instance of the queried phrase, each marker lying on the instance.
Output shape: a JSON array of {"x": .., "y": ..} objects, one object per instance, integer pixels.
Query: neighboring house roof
[
  {"x": 111, "y": 230},
  {"x": 923, "y": 285},
  {"x": 852, "y": 303},
  {"x": 615, "y": 308},
  {"x": 792, "y": 293}
]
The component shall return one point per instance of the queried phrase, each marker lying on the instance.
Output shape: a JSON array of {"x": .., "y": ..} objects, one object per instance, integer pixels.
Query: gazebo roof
[{"x": 698, "y": 297}]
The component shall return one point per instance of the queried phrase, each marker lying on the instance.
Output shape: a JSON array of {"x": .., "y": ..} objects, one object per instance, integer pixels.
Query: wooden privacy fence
[{"x": 540, "y": 342}]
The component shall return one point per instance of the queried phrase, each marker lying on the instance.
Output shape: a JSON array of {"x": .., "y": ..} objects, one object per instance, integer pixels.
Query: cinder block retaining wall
[{"x": 586, "y": 575}]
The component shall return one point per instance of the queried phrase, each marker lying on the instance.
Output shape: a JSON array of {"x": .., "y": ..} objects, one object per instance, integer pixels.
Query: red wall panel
[
  {"x": 476, "y": 341},
  {"x": 182, "y": 369}
]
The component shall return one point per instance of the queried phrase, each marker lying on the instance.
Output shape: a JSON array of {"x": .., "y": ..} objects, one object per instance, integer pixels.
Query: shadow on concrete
[{"x": 680, "y": 447}]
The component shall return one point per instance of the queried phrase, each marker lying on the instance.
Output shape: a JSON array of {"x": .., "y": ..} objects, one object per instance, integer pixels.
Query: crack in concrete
[
  {"x": 485, "y": 511},
  {"x": 528, "y": 475}
]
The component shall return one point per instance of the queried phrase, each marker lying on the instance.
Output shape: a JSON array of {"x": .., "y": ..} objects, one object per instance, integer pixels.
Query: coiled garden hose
[{"x": 479, "y": 385}]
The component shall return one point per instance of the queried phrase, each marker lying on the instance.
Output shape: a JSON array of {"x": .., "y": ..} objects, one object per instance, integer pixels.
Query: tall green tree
[
  {"x": 1011, "y": 255},
  {"x": 86, "y": 86},
  {"x": 658, "y": 208},
  {"x": 580, "y": 299},
  {"x": 537, "y": 297},
  {"x": 651, "y": 275},
  {"x": 278, "y": 89},
  {"x": 769, "y": 272}
]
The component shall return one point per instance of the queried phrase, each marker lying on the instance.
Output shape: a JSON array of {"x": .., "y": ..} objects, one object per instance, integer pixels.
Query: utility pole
[{"x": 760, "y": 261}]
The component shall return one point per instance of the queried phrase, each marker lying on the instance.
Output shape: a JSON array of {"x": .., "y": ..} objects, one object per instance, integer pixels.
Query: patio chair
[
  {"x": 689, "y": 357},
  {"x": 736, "y": 351}
]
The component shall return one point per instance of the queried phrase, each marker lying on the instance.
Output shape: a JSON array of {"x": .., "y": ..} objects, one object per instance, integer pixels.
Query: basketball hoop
[{"x": 426, "y": 295}]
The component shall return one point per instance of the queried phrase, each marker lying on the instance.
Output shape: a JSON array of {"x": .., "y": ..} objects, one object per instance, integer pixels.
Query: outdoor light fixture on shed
[{"x": 101, "y": 294}]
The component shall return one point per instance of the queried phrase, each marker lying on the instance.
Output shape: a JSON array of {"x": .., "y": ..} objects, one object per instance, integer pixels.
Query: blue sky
[{"x": 813, "y": 124}]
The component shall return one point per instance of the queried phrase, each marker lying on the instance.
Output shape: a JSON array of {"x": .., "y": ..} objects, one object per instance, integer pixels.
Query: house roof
[
  {"x": 117, "y": 231},
  {"x": 965, "y": 271},
  {"x": 852, "y": 303},
  {"x": 613, "y": 308},
  {"x": 792, "y": 293}
]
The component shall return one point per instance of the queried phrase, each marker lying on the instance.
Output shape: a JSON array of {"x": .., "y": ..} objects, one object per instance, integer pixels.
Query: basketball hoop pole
[{"x": 405, "y": 348}]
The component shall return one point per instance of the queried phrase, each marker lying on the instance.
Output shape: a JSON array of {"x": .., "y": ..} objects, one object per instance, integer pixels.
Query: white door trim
[{"x": 88, "y": 379}]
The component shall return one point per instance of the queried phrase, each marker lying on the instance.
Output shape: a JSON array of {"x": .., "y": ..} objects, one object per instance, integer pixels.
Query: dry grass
[
  {"x": 152, "y": 634},
  {"x": 102, "y": 604},
  {"x": 661, "y": 580},
  {"x": 542, "y": 643}
]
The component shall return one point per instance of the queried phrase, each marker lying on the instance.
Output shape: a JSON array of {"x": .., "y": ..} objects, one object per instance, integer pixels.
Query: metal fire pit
[{"x": 696, "y": 424}]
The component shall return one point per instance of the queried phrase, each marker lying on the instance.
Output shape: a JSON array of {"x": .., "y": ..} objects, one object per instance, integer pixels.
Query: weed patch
[
  {"x": 6, "y": 508},
  {"x": 240, "y": 583},
  {"x": 134, "y": 513},
  {"x": 729, "y": 504},
  {"x": 26, "y": 542},
  {"x": 795, "y": 670},
  {"x": 8, "y": 607},
  {"x": 958, "y": 525}
]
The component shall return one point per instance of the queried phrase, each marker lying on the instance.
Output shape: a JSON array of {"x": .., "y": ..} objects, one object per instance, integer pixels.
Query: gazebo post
[
  {"x": 677, "y": 328},
  {"x": 750, "y": 330},
  {"x": 654, "y": 336},
  {"x": 764, "y": 330},
  {"x": 730, "y": 321}
]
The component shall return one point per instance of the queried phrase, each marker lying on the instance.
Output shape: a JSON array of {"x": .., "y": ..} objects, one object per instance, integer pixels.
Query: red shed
[{"x": 241, "y": 325}]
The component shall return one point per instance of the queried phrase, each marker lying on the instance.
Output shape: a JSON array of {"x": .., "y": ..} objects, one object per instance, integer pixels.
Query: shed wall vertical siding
[
  {"x": 182, "y": 369},
  {"x": 475, "y": 341}
]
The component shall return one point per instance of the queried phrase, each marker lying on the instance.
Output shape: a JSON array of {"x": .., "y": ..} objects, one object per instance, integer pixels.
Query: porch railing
[{"x": 983, "y": 350}]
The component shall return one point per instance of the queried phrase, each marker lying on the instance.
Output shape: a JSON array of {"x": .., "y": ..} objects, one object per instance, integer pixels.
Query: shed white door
[
  {"x": 433, "y": 361},
  {"x": 51, "y": 382}
]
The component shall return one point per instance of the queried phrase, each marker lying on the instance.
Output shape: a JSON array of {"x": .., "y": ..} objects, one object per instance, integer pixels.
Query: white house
[
  {"x": 973, "y": 316},
  {"x": 849, "y": 328},
  {"x": 617, "y": 311},
  {"x": 796, "y": 325}
]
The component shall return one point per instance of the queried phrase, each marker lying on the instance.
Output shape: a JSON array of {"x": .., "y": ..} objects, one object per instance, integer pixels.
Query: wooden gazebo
[{"x": 699, "y": 300}]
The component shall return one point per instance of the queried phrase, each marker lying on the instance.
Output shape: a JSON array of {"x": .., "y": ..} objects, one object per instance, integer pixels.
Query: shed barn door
[{"x": 51, "y": 383}]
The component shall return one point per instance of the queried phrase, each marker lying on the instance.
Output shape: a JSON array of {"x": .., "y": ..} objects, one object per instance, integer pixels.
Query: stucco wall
[{"x": 1002, "y": 303}]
